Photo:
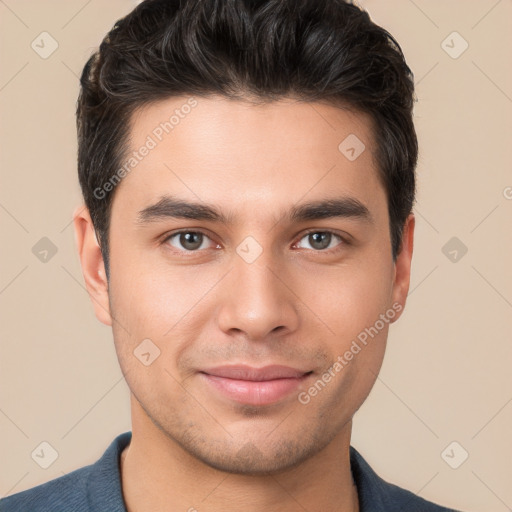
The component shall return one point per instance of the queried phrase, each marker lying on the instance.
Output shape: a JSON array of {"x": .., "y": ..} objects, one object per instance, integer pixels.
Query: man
[{"x": 248, "y": 177}]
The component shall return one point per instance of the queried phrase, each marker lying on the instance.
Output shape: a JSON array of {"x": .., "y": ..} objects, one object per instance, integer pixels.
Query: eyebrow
[{"x": 171, "y": 207}]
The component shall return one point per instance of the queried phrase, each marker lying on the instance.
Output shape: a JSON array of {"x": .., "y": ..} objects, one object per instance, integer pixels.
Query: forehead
[{"x": 221, "y": 150}]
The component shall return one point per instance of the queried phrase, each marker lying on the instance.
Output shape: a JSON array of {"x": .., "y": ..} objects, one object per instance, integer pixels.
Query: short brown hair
[{"x": 268, "y": 49}]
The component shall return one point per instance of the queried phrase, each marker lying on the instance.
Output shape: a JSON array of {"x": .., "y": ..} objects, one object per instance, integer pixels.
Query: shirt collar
[{"x": 104, "y": 490}]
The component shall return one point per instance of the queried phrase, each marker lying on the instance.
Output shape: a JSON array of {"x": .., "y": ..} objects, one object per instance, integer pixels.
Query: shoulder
[
  {"x": 91, "y": 488},
  {"x": 377, "y": 495},
  {"x": 67, "y": 491}
]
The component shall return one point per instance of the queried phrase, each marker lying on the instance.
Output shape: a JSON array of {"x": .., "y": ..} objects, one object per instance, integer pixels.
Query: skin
[{"x": 295, "y": 305}]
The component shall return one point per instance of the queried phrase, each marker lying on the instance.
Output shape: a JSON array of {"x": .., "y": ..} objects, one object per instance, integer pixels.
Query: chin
[{"x": 253, "y": 459}]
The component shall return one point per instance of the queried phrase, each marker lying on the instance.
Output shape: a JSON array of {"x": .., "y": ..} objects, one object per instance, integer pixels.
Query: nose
[{"x": 257, "y": 301}]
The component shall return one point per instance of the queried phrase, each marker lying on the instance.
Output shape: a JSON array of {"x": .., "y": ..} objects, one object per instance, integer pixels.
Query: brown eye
[
  {"x": 188, "y": 240},
  {"x": 321, "y": 240}
]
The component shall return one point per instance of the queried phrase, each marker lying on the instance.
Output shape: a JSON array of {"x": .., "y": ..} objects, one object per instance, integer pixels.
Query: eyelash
[{"x": 343, "y": 240}]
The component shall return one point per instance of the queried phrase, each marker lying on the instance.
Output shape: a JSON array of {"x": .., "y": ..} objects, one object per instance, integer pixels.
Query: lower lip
[{"x": 254, "y": 392}]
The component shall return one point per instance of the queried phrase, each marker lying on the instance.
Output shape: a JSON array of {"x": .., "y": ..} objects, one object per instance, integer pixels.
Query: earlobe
[
  {"x": 403, "y": 266},
  {"x": 91, "y": 260}
]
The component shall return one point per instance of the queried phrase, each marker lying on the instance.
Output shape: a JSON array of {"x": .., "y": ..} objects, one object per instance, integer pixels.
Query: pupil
[
  {"x": 320, "y": 240},
  {"x": 191, "y": 240}
]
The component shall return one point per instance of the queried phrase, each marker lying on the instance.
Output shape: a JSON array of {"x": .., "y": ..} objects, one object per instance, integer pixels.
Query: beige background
[{"x": 446, "y": 376}]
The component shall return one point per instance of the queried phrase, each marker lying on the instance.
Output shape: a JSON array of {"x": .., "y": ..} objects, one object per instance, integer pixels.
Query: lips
[
  {"x": 242, "y": 372},
  {"x": 254, "y": 386}
]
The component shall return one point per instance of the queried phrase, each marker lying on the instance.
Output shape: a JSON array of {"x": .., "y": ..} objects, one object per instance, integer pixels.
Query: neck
[{"x": 158, "y": 475}]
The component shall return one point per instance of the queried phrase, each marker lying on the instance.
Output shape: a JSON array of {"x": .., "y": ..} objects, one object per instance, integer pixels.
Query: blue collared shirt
[{"x": 97, "y": 488}]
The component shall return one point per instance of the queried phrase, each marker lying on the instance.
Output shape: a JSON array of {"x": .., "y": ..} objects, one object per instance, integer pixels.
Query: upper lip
[{"x": 244, "y": 372}]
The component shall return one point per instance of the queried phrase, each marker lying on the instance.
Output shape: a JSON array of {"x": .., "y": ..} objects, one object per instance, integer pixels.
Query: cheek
[
  {"x": 155, "y": 296},
  {"x": 166, "y": 306},
  {"x": 347, "y": 299}
]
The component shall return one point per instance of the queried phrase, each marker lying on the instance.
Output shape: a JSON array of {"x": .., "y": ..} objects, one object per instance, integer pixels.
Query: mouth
[{"x": 254, "y": 386}]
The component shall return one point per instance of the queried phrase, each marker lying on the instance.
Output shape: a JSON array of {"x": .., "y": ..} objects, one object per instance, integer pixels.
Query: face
[{"x": 251, "y": 278}]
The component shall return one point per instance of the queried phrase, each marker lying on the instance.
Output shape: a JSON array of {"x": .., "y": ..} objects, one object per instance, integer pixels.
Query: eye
[
  {"x": 193, "y": 241},
  {"x": 321, "y": 240},
  {"x": 189, "y": 241}
]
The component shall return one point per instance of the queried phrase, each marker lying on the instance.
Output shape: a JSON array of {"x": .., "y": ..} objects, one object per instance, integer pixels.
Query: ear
[
  {"x": 93, "y": 268},
  {"x": 403, "y": 266}
]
